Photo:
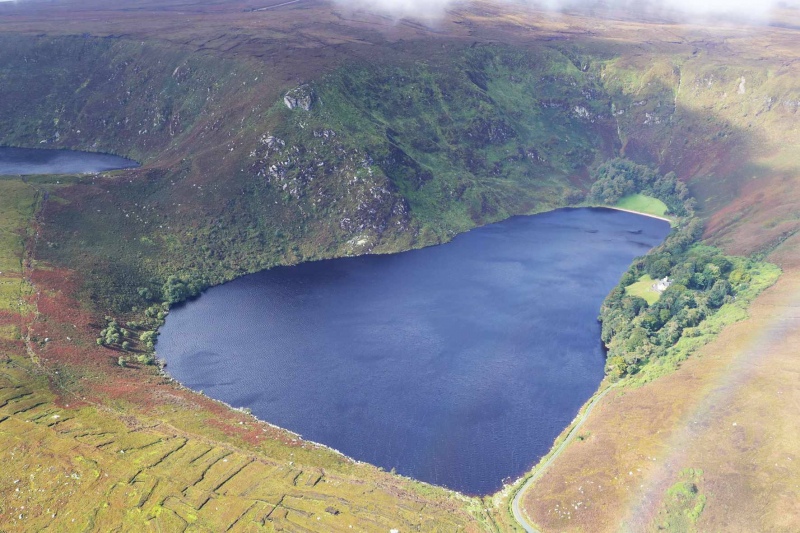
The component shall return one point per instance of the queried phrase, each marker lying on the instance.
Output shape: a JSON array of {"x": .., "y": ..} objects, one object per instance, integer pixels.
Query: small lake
[
  {"x": 26, "y": 161},
  {"x": 457, "y": 364}
]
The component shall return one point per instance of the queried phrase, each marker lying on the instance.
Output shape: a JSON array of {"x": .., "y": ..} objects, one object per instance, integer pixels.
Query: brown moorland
[{"x": 729, "y": 413}]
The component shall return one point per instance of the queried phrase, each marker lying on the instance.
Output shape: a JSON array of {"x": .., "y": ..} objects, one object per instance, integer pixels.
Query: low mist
[{"x": 743, "y": 10}]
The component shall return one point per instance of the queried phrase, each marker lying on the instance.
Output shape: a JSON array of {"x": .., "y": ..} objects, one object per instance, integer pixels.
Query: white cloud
[
  {"x": 750, "y": 9},
  {"x": 401, "y": 8}
]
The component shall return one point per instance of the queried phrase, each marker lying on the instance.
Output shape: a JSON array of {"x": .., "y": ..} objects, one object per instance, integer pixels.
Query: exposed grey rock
[{"x": 302, "y": 97}]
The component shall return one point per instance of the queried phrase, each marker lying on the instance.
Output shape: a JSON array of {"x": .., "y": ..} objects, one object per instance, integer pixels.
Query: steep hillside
[
  {"x": 382, "y": 158},
  {"x": 386, "y": 157}
]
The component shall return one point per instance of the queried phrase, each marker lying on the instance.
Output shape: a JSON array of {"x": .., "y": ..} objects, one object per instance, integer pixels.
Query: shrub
[{"x": 179, "y": 288}]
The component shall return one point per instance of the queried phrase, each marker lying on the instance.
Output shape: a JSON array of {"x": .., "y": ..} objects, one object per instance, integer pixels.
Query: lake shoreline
[
  {"x": 208, "y": 349},
  {"x": 665, "y": 219},
  {"x": 640, "y": 213},
  {"x": 20, "y": 161}
]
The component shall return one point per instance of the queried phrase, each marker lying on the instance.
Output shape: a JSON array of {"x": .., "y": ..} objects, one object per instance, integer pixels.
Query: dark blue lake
[
  {"x": 22, "y": 161},
  {"x": 457, "y": 364}
]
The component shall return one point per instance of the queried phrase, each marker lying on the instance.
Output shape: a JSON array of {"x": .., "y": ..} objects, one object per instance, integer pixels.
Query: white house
[{"x": 662, "y": 285}]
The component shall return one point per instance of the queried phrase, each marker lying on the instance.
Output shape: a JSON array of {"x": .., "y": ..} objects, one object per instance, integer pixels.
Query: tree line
[
  {"x": 619, "y": 177},
  {"x": 703, "y": 279}
]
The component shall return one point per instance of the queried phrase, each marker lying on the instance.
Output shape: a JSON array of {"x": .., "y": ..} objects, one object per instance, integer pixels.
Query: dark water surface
[
  {"x": 457, "y": 364},
  {"x": 21, "y": 161}
]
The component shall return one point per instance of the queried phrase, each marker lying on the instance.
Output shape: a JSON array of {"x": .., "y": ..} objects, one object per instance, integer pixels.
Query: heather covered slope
[
  {"x": 414, "y": 133},
  {"x": 95, "y": 448}
]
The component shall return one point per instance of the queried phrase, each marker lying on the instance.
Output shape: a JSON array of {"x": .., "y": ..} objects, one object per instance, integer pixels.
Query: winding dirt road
[{"x": 539, "y": 471}]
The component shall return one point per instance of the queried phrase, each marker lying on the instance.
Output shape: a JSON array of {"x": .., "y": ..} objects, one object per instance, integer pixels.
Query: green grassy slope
[
  {"x": 644, "y": 289},
  {"x": 106, "y": 95}
]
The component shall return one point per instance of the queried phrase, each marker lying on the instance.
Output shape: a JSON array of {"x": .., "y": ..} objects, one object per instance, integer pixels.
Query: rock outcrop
[{"x": 300, "y": 97}]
